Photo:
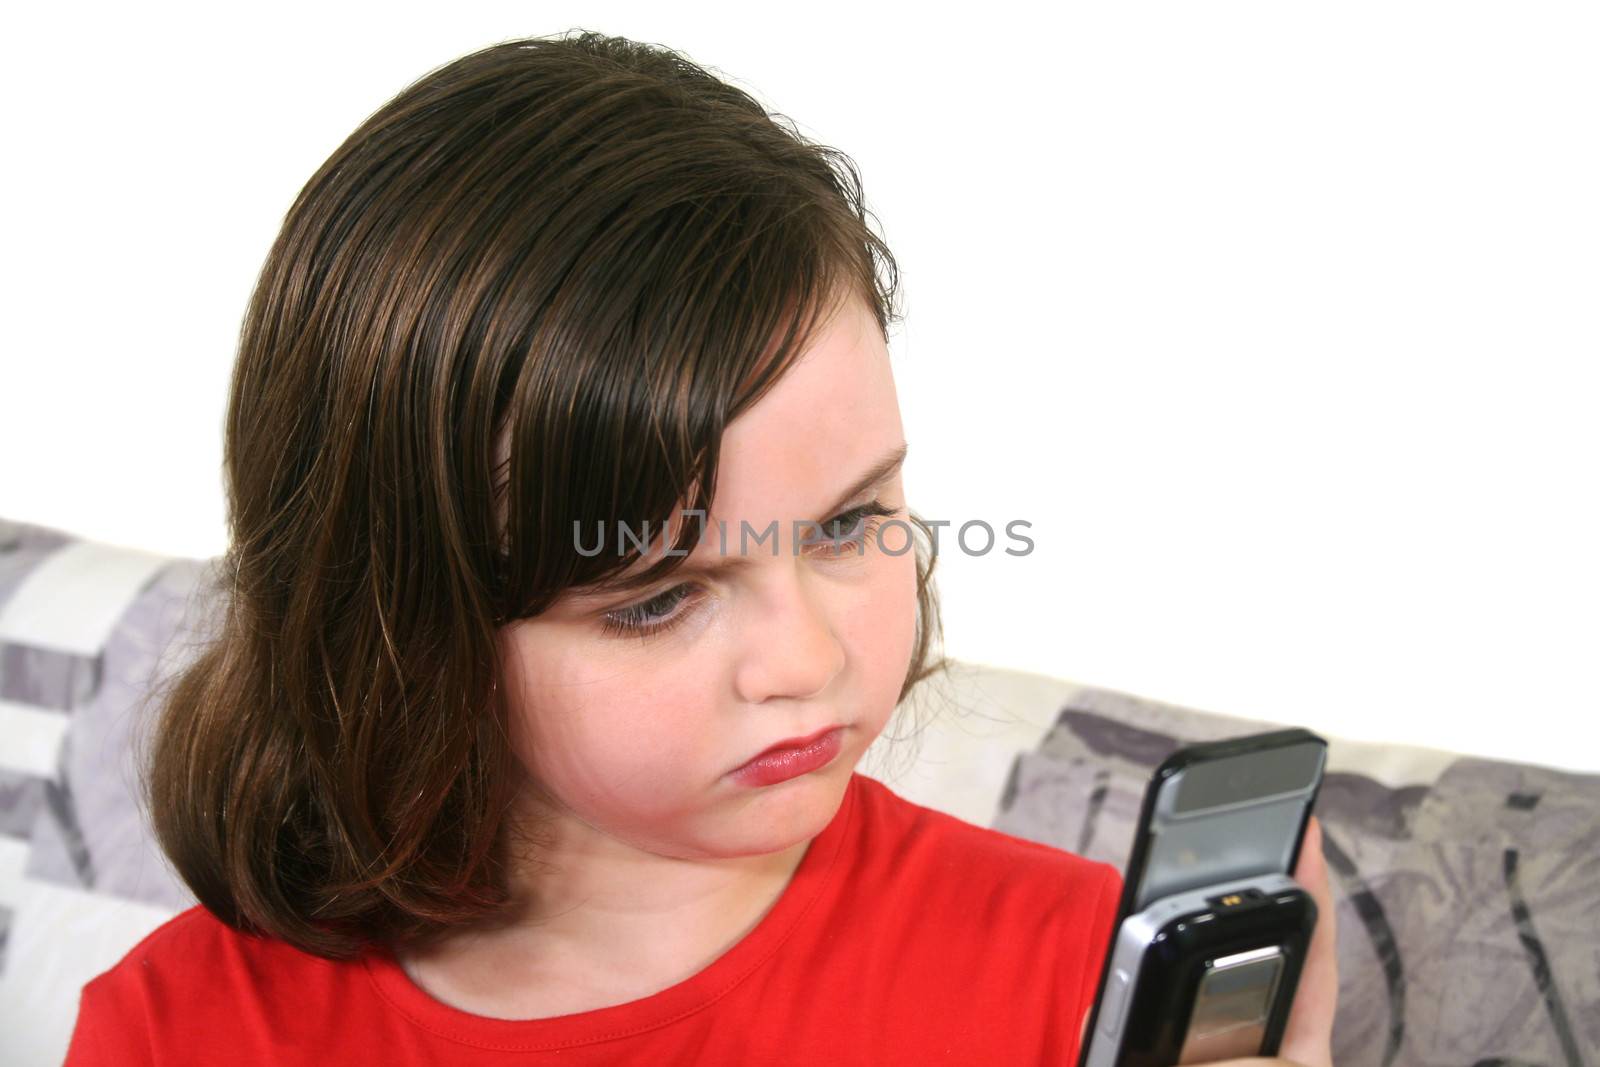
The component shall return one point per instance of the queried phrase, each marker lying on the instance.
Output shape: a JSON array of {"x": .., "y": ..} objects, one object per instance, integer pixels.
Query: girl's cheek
[{"x": 883, "y": 631}]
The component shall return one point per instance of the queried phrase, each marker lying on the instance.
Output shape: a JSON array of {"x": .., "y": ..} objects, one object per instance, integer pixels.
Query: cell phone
[{"x": 1212, "y": 932}]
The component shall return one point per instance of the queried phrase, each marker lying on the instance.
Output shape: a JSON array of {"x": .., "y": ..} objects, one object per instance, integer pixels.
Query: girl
[{"x": 470, "y": 772}]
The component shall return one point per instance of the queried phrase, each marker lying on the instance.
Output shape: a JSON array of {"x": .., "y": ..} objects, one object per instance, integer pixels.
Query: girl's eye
[
  {"x": 848, "y": 533},
  {"x": 648, "y": 617},
  {"x": 845, "y": 533}
]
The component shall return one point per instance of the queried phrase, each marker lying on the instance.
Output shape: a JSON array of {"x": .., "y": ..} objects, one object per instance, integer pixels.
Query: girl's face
[{"x": 634, "y": 735}]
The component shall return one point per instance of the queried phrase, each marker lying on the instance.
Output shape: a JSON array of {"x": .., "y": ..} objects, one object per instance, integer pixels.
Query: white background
[{"x": 1278, "y": 323}]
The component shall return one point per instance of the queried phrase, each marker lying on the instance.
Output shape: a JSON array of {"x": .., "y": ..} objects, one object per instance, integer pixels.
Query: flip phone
[{"x": 1211, "y": 931}]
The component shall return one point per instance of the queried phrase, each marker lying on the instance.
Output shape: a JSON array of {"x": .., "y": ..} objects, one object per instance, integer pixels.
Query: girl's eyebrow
[{"x": 874, "y": 475}]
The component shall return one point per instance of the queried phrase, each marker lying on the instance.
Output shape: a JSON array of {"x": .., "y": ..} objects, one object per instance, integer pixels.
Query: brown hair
[{"x": 589, "y": 252}]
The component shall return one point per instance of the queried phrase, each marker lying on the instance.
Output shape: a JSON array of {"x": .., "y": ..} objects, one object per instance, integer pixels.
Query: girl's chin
[{"x": 796, "y": 810}]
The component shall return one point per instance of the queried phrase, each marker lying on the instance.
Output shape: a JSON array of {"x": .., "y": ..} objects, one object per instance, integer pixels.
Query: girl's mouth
[{"x": 779, "y": 764}]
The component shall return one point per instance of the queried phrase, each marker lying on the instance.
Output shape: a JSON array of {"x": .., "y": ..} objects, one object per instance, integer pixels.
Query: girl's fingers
[{"x": 1308, "y": 1039}]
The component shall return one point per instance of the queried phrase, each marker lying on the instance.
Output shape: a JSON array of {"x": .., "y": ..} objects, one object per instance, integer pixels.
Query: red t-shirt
[{"x": 906, "y": 936}]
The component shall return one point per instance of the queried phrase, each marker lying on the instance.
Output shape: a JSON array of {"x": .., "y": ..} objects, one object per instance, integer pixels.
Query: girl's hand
[{"x": 1308, "y": 1037}]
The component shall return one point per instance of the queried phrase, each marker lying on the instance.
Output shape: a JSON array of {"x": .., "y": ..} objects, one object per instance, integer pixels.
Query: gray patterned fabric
[
  {"x": 81, "y": 879},
  {"x": 1468, "y": 901},
  {"x": 94, "y": 835},
  {"x": 1469, "y": 894}
]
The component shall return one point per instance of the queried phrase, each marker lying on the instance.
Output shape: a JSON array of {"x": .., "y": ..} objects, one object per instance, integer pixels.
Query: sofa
[{"x": 1467, "y": 889}]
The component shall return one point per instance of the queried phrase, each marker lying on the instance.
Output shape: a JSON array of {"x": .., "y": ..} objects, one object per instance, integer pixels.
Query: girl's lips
[{"x": 779, "y": 764}]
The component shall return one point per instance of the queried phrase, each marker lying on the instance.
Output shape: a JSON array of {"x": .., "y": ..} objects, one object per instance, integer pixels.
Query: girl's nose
[{"x": 788, "y": 646}]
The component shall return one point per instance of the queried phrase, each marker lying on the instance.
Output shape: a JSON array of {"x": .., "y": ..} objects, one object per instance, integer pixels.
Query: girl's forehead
[{"x": 835, "y": 406}]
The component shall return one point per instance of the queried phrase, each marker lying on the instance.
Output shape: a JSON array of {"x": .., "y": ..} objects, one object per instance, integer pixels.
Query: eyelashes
[
  {"x": 649, "y": 617},
  {"x": 843, "y": 535}
]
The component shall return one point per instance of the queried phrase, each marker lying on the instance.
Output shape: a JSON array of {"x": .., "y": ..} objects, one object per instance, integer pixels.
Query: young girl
[{"x": 469, "y": 773}]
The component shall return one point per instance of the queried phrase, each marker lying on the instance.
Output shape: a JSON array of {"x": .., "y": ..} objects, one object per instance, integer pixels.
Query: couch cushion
[{"x": 1467, "y": 890}]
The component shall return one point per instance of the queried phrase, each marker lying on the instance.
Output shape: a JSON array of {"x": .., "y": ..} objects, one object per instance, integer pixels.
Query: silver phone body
[
  {"x": 1214, "y": 824},
  {"x": 1230, "y": 1013}
]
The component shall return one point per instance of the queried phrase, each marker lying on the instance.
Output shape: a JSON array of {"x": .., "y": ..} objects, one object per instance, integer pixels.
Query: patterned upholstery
[{"x": 1467, "y": 890}]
